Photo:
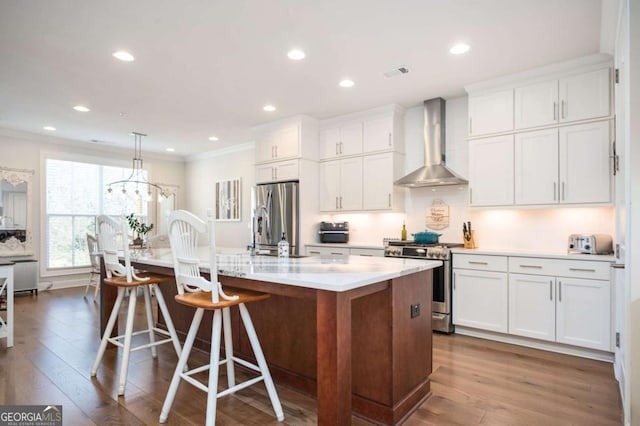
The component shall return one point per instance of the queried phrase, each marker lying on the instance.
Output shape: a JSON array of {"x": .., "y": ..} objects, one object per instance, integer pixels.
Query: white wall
[
  {"x": 24, "y": 151},
  {"x": 201, "y": 175}
]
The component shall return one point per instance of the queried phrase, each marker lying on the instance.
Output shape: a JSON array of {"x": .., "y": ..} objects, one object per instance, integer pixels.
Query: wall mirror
[{"x": 15, "y": 202}]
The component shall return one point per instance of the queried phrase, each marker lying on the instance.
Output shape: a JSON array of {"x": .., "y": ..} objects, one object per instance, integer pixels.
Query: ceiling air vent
[{"x": 396, "y": 72}]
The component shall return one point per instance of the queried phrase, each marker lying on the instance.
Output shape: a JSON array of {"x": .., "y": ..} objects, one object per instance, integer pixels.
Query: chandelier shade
[{"x": 138, "y": 176}]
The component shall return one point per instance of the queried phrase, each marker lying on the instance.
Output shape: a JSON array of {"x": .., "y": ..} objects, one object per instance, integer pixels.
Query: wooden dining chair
[
  {"x": 114, "y": 241},
  {"x": 94, "y": 274},
  {"x": 207, "y": 295}
]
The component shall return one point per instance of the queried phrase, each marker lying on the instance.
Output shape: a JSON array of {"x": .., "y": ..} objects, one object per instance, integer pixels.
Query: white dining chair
[
  {"x": 94, "y": 274},
  {"x": 114, "y": 242},
  {"x": 207, "y": 295}
]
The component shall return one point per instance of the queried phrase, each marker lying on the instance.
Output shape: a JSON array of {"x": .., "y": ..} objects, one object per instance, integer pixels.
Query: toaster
[{"x": 590, "y": 244}]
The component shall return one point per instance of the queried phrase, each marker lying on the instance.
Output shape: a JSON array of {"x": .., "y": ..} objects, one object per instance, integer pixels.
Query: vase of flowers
[{"x": 139, "y": 228}]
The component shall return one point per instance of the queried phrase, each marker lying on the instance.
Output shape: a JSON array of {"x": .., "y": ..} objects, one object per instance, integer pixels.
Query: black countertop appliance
[{"x": 334, "y": 232}]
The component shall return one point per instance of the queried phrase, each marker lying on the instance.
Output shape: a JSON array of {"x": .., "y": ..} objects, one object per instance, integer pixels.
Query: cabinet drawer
[
  {"x": 583, "y": 269},
  {"x": 327, "y": 251},
  {"x": 560, "y": 268},
  {"x": 367, "y": 252},
  {"x": 480, "y": 262},
  {"x": 532, "y": 266}
]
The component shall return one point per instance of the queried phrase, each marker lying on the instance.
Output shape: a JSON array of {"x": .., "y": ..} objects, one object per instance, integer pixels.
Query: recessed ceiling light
[
  {"x": 123, "y": 55},
  {"x": 459, "y": 49},
  {"x": 346, "y": 83},
  {"x": 269, "y": 108},
  {"x": 296, "y": 54},
  {"x": 50, "y": 128},
  {"x": 213, "y": 138},
  {"x": 81, "y": 108},
  {"x": 170, "y": 149}
]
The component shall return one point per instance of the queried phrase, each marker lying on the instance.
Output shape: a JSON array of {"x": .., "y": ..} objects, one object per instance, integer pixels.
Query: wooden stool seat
[
  {"x": 153, "y": 279},
  {"x": 202, "y": 299}
]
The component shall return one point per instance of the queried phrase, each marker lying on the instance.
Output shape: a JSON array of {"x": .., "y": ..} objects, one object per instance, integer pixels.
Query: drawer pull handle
[
  {"x": 366, "y": 255},
  {"x": 474, "y": 262},
  {"x": 531, "y": 266},
  {"x": 314, "y": 252},
  {"x": 582, "y": 270},
  {"x": 617, "y": 265},
  {"x": 337, "y": 254}
]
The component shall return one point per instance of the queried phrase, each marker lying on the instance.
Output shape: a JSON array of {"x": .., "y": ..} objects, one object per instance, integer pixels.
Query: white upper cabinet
[
  {"x": 278, "y": 171},
  {"x": 341, "y": 184},
  {"x": 536, "y": 105},
  {"x": 378, "y": 182},
  {"x": 536, "y": 167},
  {"x": 569, "y": 165},
  {"x": 585, "y": 96},
  {"x": 341, "y": 141},
  {"x": 585, "y": 175},
  {"x": 491, "y": 113},
  {"x": 378, "y": 134},
  {"x": 491, "y": 171},
  {"x": 578, "y": 97},
  {"x": 280, "y": 144}
]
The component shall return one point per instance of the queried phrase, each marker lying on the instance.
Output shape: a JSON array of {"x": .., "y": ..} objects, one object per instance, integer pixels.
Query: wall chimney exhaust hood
[{"x": 434, "y": 172}]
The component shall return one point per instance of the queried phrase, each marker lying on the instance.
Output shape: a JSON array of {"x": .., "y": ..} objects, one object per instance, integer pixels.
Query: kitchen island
[{"x": 353, "y": 331}]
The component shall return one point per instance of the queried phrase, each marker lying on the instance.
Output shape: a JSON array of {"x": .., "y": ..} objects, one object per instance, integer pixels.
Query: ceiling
[{"x": 207, "y": 67}]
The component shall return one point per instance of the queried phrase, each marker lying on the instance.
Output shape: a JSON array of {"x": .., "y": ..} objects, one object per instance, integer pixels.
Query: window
[{"x": 75, "y": 196}]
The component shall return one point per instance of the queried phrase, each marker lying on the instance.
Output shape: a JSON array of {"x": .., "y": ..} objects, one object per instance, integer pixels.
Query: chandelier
[{"x": 137, "y": 178}]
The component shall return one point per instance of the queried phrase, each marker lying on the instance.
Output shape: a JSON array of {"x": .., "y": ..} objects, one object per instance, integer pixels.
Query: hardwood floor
[{"x": 474, "y": 382}]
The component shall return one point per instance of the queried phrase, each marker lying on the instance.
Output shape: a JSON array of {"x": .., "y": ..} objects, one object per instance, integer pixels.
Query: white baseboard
[
  {"x": 536, "y": 344},
  {"x": 54, "y": 285}
]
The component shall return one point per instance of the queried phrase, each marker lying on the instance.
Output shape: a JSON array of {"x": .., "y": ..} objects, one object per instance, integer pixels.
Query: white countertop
[
  {"x": 333, "y": 273},
  {"x": 537, "y": 253}
]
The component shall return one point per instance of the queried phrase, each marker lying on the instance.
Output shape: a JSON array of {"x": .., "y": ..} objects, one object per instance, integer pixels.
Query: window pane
[
  {"x": 82, "y": 225},
  {"x": 60, "y": 241},
  {"x": 73, "y": 188}
]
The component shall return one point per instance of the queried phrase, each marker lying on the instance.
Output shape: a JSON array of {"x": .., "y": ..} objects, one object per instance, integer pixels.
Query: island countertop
[{"x": 333, "y": 273}]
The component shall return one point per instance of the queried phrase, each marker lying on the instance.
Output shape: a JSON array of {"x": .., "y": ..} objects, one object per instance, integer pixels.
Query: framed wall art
[{"x": 228, "y": 200}]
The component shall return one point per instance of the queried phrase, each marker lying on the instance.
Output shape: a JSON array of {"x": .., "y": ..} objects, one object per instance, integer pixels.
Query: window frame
[{"x": 109, "y": 161}]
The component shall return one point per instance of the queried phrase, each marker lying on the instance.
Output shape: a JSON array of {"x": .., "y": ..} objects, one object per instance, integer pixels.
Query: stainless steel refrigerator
[{"x": 276, "y": 211}]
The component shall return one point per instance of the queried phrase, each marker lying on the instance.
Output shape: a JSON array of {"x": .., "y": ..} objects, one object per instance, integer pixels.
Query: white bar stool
[
  {"x": 113, "y": 238},
  {"x": 94, "y": 277},
  {"x": 199, "y": 293}
]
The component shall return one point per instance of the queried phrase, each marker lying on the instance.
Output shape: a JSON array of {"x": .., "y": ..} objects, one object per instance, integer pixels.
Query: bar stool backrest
[
  {"x": 94, "y": 248},
  {"x": 113, "y": 238},
  {"x": 184, "y": 229}
]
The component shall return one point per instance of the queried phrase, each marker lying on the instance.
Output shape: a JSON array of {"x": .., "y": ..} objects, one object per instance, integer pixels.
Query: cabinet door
[
  {"x": 584, "y": 313},
  {"x": 378, "y": 134},
  {"x": 329, "y": 185},
  {"x": 265, "y": 149},
  {"x": 536, "y": 105},
  {"x": 286, "y": 170},
  {"x": 532, "y": 306},
  {"x": 585, "y": 96},
  {"x": 351, "y": 139},
  {"x": 491, "y": 171},
  {"x": 536, "y": 167},
  {"x": 480, "y": 299},
  {"x": 287, "y": 142},
  {"x": 584, "y": 163},
  {"x": 265, "y": 173},
  {"x": 378, "y": 182},
  {"x": 351, "y": 184},
  {"x": 329, "y": 143},
  {"x": 491, "y": 113}
]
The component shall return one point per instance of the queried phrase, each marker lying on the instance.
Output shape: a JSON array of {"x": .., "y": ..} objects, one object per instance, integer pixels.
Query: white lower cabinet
[
  {"x": 583, "y": 315},
  {"x": 480, "y": 299},
  {"x": 532, "y": 306},
  {"x": 323, "y": 250},
  {"x": 555, "y": 300}
]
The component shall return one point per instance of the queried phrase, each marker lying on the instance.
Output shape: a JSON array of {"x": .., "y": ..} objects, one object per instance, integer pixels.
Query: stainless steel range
[{"x": 441, "y": 308}]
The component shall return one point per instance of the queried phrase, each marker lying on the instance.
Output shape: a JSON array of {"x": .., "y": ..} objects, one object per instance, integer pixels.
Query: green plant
[{"x": 137, "y": 226}]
